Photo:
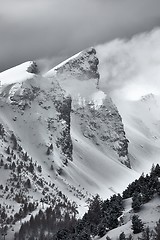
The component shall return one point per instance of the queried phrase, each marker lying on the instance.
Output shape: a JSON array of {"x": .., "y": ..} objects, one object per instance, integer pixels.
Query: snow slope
[
  {"x": 129, "y": 73},
  {"x": 96, "y": 127},
  {"x": 37, "y": 110},
  {"x": 16, "y": 74},
  {"x": 142, "y": 126},
  {"x": 149, "y": 214}
]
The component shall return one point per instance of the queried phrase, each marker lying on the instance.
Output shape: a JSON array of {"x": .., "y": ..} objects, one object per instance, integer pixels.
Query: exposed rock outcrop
[
  {"x": 64, "y": 141},
  {"x": 82, "y": 66},
  {"x": 46, "y": 103},
  {"x": 95, "y": 112},
  {"x": 104, "y": 127}
]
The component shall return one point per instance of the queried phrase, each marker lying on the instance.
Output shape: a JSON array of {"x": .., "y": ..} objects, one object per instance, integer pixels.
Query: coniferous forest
[{"x": 59, "y": 222}]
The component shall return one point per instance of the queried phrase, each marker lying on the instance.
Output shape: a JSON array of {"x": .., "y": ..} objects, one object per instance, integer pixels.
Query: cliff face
[
  {"x": 47, "y": 105},
  {"x": 83, "y": 66},
  {"x": 94, "y": 111},
  {"x": 103, "y": 126},
  {"x": 64, "y": 141}
]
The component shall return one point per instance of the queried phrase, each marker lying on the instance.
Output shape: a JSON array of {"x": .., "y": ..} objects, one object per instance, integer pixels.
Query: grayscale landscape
[{"x": 79, "y": 120}]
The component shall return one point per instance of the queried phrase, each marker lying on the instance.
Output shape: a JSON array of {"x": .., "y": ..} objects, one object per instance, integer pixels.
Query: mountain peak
[
  {"x": 33, "y": 68},
  {"x": 93, "y": 110},
  {"x": 83, "y": 65},
  {"x": 19, "y": 73}
]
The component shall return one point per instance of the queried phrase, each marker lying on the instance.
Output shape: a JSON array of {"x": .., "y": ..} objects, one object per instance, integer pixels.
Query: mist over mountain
[{"x": 131, "y": 67}]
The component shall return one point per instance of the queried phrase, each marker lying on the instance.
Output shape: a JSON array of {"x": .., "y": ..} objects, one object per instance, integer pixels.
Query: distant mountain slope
[{"x": 130, "y": 73}]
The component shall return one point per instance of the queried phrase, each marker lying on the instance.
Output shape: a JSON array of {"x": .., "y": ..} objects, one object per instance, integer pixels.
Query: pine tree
[
  {"x": 31, "y": 167},
  {"x": 25, "y": 156},
  {"x": 136, "y": 201},
  {"x": 5, "y": 166},
  {"x": 157, "y": 170},
  {"x": 13, "y": 138},
  {"x": 122, "y": 236},
  {"x": 1, "y": 162},
  {"x": 1, "y": 130},
  {"x": 19, "y": 170},
  {"x": 8, "y": 150},
  {"x": 48, "y": 151},
  {"x": 101, "y": 230},
  {"x": 95, "y": 211},
  {"x": 42, "y": 235},
  {"x": 62, "y": 234},
  {"x": 108, "y": 238},
  {"x": 28, "y": 183},
  {"x": 4, "y": 231},
  {"x": 84, "y": 236},
  {"x": 129, "y": 237},
  {"x": 137, "y": 224},
  {"x": 158, "y": 188},
  {"x": 6, "y": 188},
  {"x": 146, "y": 235},
  {"x": 13, "y": 165},
  {"x": 52, "y": 167},
  {"x": 51, "y": 146},
  {"x": 39, "y": 168},
  {"x": 22, "y": 231},
  {"x": 157, "y": 231}
]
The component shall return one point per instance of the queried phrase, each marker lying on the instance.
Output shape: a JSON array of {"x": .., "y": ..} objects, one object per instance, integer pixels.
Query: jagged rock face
[
  {"x": 22, "y": 95},
  {"x": 101, "y": 124},
  {"x": 84, "y": 66},
  {"x": 33, "y": 68},
  {"x": 104, "y": 127},
  {"x": 48, "y": 104},
  {"x": 65, "y": 142}
]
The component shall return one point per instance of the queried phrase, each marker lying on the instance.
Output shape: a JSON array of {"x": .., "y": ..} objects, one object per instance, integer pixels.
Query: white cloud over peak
[{"x": 131, "y": 67}]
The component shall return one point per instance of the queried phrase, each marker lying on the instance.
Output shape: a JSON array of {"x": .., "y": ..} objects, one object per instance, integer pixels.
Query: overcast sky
[{"x": 53, "y": 30}]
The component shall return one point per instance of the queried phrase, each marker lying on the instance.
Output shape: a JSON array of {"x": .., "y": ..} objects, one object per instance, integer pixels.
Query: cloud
[
  {"x": 45, "y": 64},
  {"x": 131, "y": 68},
  {"x": 58, "y": 28}
]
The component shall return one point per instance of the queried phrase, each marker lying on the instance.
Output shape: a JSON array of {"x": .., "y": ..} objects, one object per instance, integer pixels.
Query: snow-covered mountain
[
  {"x": 130, "y": 74},
  {"x": 93, "y": 109},
  {"x": 90, "y": 125}
]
